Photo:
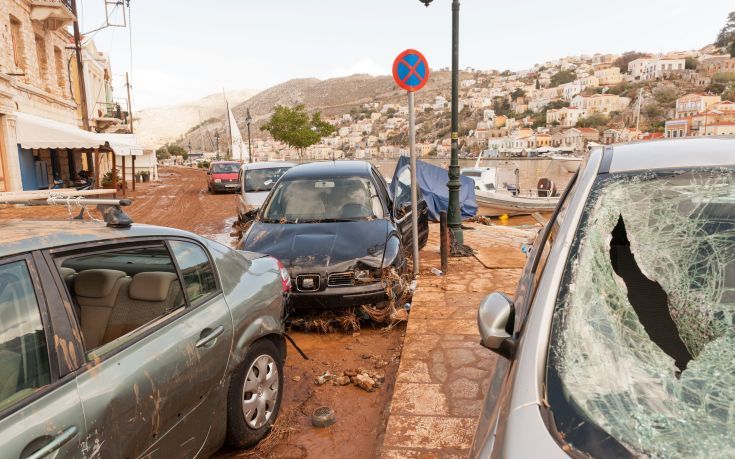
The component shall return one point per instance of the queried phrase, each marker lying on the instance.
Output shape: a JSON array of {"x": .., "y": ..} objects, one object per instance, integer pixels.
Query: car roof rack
[{"x": 111, "y": 209}]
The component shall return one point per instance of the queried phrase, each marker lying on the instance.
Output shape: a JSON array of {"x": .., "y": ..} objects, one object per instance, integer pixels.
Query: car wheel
[{"x": 254, "y": 396}]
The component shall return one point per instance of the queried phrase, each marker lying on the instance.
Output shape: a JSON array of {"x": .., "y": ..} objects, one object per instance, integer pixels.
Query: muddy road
[{"x": 181, "y": 200}]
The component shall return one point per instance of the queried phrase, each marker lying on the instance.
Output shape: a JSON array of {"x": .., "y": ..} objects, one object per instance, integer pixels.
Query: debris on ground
[
  {"x": 437, "y": 272},
  {"x": 296, "y": 378},
  {"x": 322, "y": 379},
  {"x": 323, "y": 417},
  {"x": 365, "y": 382},
  {"x": 342, "y": 380}
]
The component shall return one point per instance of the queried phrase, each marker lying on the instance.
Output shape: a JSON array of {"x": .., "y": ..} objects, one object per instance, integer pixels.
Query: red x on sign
[{"x": 411, "y": 70}]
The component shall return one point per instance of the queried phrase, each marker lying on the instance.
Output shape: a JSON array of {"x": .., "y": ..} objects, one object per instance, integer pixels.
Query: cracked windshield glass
[{"x": 643, "y": 342}]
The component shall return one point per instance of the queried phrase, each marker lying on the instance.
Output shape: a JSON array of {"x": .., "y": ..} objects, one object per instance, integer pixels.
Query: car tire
[{"x": 248, "y": 423}]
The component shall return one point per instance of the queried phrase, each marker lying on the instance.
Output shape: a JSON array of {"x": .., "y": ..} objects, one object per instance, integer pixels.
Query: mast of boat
[
  {"x": 479, "y": 158},
  {"x": 229, "y": 126}
]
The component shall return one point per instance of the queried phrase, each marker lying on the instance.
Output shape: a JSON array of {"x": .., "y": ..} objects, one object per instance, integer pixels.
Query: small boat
[
  {"x": 509, "y": 200},
  {"x": 498, "y": 203}
]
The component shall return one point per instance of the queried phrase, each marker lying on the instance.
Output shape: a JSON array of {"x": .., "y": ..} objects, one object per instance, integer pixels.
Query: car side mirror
[{"x": 494, "y": 317}]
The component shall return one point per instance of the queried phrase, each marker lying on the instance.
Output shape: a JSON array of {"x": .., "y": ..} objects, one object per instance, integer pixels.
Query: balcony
[
  {"x": 110, "y": 116},
  {"x": 53, "y": 14}
]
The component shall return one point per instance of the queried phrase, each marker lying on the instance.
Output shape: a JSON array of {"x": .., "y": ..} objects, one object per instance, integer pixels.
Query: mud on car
[
  {"x": 337, "y": 228},
  {"x": 125, "y": 342}
]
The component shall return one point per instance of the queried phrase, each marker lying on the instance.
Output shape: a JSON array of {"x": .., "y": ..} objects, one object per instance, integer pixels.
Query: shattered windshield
[
  {"x": 323, "y": 200},
  {"x": 643, "y": 343},
  {"x": 262, "y": 179}
]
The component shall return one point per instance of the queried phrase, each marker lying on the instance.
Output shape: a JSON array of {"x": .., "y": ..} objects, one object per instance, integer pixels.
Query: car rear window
[
  {"x": 643, "y": 341},
  {"x": 262, "y": 179}
]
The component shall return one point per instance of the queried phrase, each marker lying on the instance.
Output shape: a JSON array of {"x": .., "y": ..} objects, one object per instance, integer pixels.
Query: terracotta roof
[{"x": 589, "y": 130}]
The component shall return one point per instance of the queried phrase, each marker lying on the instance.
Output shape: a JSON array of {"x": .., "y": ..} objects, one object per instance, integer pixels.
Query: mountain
[
  {"x": 156, "y": 126},
  {"x": 332, "y": 97}
]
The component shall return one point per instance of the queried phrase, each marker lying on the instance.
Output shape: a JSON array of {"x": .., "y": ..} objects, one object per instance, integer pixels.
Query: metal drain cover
[{"x": 323, "y": 417}]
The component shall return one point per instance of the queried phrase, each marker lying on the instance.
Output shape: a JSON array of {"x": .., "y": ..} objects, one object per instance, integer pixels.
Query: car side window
[
  {"x": 24, "y": 362},
  {"x": 119, "y": 292},
  {"x": 196, "y": 269}
]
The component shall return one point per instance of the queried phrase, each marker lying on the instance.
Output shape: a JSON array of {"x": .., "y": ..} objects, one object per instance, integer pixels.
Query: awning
[
  {"x": 37, "y": 132},
  {"x": 124, "y": 144}
]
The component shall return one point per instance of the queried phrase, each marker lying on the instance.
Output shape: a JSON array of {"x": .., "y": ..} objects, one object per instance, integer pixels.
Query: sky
[{"x": 183, "y": 50}]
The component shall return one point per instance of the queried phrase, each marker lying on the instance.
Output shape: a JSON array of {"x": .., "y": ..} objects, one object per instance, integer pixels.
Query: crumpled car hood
[{"x": 321, "y": 247}]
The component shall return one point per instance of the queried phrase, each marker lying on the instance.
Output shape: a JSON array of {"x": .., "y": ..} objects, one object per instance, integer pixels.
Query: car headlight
[
  {"x": 367, "y": 275},
  {"x": 217, "y": 180}
]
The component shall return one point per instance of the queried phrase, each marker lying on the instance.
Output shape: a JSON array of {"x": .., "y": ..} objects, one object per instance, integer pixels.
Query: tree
[
  {"x": 691, "y": 63},
  {"x": 594, "y": 120},
  {"x": 517, "y": 93},
  {"x": 176, "y": 150},
  {"x": 162, "y": 153},
  {"x": 294, "y": 127},
  {"x": 731, "y": 49},
  {"x": 556, "y": 105},
  {"x": 561, "y": 77},
  {"x": 501, "y": 106},
  {"x": 724, "y": 77},
  {"x": 727, "y": 33},
  {"x": 627, "y": 57}
]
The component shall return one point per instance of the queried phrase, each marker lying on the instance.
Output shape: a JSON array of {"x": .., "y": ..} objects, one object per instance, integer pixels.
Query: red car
[{"x": 223, "y": 176}]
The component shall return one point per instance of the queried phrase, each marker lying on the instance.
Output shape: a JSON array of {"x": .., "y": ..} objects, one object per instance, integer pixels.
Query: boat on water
[{"x": 509, "y": 199}]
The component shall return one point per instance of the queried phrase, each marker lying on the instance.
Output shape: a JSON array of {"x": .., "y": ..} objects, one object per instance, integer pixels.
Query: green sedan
[{"x": 137, "y": 341}]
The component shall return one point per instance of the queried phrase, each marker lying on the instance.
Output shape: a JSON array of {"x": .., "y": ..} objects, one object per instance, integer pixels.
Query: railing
[{"x": 111, "y": 110}]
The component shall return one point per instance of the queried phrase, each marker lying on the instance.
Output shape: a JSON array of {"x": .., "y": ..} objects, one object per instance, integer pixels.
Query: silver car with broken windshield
[{"x": 620, "y": 339}]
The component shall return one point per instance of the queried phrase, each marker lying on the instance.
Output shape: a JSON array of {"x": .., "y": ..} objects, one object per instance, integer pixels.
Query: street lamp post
[
  {"x": 216, "y": 140},
  {"x": 454, "y": 217},
  {"x": 248, "y": 119}
]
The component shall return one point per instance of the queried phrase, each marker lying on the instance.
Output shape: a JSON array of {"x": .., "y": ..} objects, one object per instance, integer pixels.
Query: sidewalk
[{"x": 444, "y": 372}]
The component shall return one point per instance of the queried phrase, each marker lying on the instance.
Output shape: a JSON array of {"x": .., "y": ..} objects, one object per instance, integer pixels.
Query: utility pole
[
  {"x": 80, "y": 70},
  {"x": 248, "y": 119},
  {"x": 130, "y": 106},
  {"x": 638, "y": 110}
]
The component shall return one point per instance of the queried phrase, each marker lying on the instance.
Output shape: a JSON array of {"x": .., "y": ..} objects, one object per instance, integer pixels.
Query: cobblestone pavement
[{"x": 444, "y": 372}]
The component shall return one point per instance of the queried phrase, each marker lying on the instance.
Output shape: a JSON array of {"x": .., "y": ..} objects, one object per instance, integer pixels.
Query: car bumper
[
  {"x": 338, "y": 297},
  {"x": 225, "y": 186}
]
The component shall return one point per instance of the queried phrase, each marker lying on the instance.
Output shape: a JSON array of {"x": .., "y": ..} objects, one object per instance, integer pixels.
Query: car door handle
[
  {"x": 209, "y": 337},
  {"x": 56, "y": 443}
]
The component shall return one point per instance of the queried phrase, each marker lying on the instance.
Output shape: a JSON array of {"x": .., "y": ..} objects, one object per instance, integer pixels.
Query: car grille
[
  {"x": 300, "y": 282},
  {"x": 339, "y": 279}
]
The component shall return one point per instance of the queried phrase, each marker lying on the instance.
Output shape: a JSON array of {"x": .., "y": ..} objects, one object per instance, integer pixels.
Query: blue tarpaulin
[{"x": 432, "y": 182}]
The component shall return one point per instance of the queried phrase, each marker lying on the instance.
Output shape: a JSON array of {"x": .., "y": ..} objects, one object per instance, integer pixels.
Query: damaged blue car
[{"x": 344, "y": 237}]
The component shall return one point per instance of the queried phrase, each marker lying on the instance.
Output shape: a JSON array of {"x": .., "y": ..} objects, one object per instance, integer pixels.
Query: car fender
[{"x": 258, "y": 329}]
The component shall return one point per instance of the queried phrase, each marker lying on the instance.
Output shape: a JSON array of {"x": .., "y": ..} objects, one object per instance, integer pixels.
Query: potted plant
[
  {"x": 145, "y": 176},
  {"x": 107, "y": 179}
]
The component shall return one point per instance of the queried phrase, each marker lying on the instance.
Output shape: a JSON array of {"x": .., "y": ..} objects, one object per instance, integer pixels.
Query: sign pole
[
  {"x": 414, "y": 187},
  {"x": 411, "y": 72}
]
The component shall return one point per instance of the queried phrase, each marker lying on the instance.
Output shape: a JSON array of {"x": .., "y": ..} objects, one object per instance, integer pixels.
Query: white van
[{"x": 256, "y": 181}]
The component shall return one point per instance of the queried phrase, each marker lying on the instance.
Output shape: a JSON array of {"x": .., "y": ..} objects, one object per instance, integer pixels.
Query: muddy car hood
[{"x": 321, "y": 247}]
